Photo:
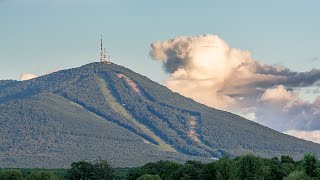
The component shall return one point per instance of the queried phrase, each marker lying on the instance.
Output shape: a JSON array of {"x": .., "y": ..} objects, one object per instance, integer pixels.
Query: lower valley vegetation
[{"x": 247, "y": 167}]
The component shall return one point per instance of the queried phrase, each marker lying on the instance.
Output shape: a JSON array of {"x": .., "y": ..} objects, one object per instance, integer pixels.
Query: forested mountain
[{"x": 106, "y": 111}]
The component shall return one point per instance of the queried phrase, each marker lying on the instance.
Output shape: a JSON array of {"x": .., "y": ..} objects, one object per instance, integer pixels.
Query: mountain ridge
[{"x": 163, "y": 123}]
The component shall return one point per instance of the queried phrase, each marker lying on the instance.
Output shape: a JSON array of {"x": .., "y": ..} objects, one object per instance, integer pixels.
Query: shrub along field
[{"x": 248, "y": 167}]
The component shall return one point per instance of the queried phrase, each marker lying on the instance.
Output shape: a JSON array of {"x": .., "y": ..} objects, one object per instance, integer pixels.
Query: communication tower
[{"x": 103, "y": 54}]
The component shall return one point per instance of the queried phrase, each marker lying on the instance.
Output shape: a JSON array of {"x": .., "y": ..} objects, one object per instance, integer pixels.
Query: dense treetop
[{"x": 247, "y": 167}]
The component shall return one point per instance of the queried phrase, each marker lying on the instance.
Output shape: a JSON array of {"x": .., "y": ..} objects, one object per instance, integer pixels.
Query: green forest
[
  {"x": 246, "y": 167},
  {"x": 94, "y": 112}
]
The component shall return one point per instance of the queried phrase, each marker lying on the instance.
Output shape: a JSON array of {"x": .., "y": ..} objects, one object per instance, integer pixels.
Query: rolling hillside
[{"x": 106, "y": 111}]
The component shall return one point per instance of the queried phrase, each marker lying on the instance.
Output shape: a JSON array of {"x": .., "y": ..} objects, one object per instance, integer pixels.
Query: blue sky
[{"x": 40, "y": 36}]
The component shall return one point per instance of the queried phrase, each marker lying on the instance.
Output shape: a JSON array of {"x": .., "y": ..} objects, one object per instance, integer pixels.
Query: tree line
[
  {"x": 247, "y": 167},
  {"x": 81, "y": 170}
]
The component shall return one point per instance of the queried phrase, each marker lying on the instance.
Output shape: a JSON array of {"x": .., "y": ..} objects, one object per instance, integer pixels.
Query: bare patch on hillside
[
  {"x": 132, "y": 84},
  {"x": 192, "y": 129}
]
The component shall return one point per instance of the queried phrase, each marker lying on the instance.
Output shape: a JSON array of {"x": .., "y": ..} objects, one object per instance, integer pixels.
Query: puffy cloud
[
  {"x": 282, "y": 109},
  {"x": 278, "y": 95},
  {"x": 200, "y": 66},
  {"x": 27, "y": 76},
  {"x": 308, "y": 135},
  {"x": 248, "y": 113},
  {"x": 207, "y": 69},
  {"x": 211, "y": 72},
  {"x": 317, "y": 102}
]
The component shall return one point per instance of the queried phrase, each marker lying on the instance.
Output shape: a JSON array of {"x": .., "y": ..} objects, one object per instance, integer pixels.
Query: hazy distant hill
[{"x": 110, "y": 112}]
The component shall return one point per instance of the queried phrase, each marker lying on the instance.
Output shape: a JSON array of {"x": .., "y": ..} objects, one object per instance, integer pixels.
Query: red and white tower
[{"x": 103, "y": 54}]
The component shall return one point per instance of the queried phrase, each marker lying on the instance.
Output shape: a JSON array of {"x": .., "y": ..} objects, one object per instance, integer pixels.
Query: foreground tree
[
  {"x": 209, "y": 171},
  {"x": 11, "y": 174},
  {"x": 163, "y": 168},
  {"x": 310, "y": 165},
  {"x": 225, "y": 169},
  {"x": 80, "y": 170},
  {"x": 87, "y": 170},
  {"x": 186, "y": 172},
  {"x": 251, "y": 167},
  {"x": 102, "y": 170},
  {"x": 149, "y": 177},
  {"x": 297, "y": 175},
  {"x": 42, "y": 175},
  {"x": 287, "y": 159},
  {"x": 274, "y": 172}
]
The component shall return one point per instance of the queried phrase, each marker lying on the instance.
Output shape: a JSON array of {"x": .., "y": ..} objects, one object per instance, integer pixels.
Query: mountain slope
[{"x": 110, "y": 112}]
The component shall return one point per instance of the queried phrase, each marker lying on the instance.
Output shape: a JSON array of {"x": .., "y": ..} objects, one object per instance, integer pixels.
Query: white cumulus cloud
[
  {"x": 313, "y": 136},
  {"x": 27, "y": 76},
  {"x": 211, "y": 72}
]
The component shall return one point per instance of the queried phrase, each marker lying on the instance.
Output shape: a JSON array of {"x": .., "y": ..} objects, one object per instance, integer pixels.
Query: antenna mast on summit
[{"x": 103, "y": 54}]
